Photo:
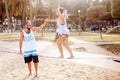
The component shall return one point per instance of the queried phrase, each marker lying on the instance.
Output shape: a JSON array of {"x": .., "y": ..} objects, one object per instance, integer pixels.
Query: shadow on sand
[{"x": 28, "y": 77}]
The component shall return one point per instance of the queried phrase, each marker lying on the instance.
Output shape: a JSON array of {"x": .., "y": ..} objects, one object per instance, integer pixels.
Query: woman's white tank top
[{"x": 62, "y": 29}]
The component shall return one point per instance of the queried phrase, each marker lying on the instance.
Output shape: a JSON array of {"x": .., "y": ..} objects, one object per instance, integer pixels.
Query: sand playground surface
[{"x": 12, "y": 67}]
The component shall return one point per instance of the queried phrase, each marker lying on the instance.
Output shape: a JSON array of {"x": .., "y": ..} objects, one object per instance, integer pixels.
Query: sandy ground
[{"x": 12, "y": 67}]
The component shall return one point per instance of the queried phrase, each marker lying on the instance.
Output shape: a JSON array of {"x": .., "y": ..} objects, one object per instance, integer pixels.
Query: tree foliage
[
  {"x": 115, "y": 8},
  {"x": 16, "y": 8},
  {"x": 94, "y": 13}
]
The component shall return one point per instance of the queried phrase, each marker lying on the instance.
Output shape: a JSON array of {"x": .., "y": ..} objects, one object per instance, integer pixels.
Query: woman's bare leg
[
  {"x": 59, "y": 43},
  {"x": 67, "y": 47}
]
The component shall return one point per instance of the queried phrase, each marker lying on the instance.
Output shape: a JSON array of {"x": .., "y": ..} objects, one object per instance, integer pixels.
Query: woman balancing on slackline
[{"x": 62, "y": 31}]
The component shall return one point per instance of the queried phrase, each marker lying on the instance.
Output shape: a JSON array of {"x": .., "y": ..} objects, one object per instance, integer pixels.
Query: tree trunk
[
  {"x": 7, "y": 14},
  {"x": 23, "y": 19},
  {"x": 100, "y": 31},
  {"x": 31, "y": 11}
]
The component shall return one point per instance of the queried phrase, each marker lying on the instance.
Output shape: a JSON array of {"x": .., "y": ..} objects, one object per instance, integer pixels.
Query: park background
[{"x": 94, "y": 39}]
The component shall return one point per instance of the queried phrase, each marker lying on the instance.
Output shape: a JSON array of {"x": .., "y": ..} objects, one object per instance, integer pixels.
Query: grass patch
[
  {"x": 9, "y": 36},
  {"x": 74, "y": 34},
  {"x": 92, "y": 37},
  {"x": 98, "y": 39},
  {"x": 11, "y": 40},
  {"x": 48, "y": 36}
]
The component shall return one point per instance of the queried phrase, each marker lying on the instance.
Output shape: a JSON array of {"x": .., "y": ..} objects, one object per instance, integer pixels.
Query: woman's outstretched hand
[{"x": 46, "y": 20}]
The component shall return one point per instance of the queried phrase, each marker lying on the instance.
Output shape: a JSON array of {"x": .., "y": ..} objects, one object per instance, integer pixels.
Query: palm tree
[
  {"x": 31, "y": 11},
  {"x": 7, "y": 14}
]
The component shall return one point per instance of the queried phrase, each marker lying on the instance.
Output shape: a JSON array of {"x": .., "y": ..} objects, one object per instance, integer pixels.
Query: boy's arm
[
  {"x": 51, "y": 20},
  {"x": 40, "y": 27},
  {"x": 21, "y": 41}
]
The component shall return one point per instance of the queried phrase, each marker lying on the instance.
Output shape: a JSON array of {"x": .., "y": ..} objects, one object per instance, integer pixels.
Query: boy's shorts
[{"x": 31, "y": 58}]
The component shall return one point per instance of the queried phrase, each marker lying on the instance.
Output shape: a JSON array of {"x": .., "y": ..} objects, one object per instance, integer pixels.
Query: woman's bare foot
[
  {"x": 61, "y": 57},
  {"x": 29, "y": 74},
  {"x": 36, "y": 75}
]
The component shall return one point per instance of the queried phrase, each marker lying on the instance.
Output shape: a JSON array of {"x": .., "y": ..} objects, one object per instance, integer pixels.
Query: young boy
[{"x": 27, "y": 43}]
